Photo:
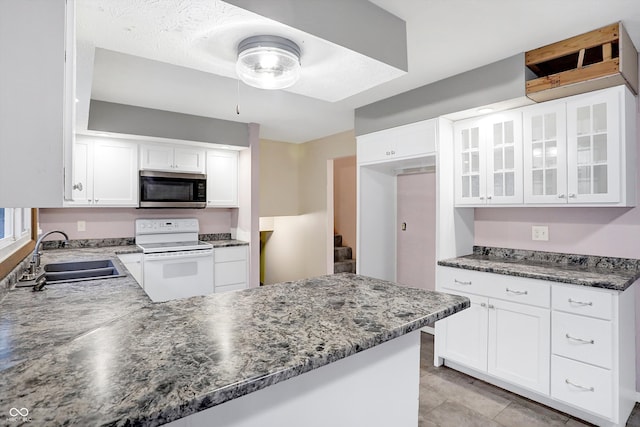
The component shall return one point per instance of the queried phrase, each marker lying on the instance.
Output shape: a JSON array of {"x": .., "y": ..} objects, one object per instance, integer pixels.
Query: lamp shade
[{"x": 268, "y": 62}]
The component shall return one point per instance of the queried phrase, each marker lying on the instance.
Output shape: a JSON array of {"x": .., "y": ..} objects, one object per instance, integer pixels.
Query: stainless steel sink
[
  {"x": 76, "y": 271},
  {"x": 79, "y": 270}
]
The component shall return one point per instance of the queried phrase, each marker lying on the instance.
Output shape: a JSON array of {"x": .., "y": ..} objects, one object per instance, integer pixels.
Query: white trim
[{"x": 429, "y": 330}]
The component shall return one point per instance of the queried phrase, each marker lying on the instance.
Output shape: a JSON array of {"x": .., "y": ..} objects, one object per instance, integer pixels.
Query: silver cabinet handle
[
  {"x": 77, "y": 186},
  {"x": 481, "y": 197},
  {"x": 491, "y": 306},
  {"x": 483, "y": 304},
  {"x": 572, "y": 301},
  {"x": 517, "y": 292},
  {"x": 489, "y": 197},
  {"x": 96, "y": 200},
  {"x": 462, "y": 283},
  {"x": 560, "y": 196},
  {"x": 572, "y": 196},
  {"x": 581, "y": 387},
  {"x": 580, "y": 340}
]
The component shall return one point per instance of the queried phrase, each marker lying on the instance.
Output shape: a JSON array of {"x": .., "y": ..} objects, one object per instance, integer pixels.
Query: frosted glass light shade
[{"x": 268, "y": 62}]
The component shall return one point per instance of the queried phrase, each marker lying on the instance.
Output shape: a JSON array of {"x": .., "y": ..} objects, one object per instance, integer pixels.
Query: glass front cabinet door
[
  {"x": 593, "y": 148},
  {"x": 504, "y": 158},
  {"x": 470, "y": 163},
  {"x": 545, "y": 153}
]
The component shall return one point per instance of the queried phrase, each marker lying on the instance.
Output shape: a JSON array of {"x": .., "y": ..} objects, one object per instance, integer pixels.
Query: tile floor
[{"x": 450, "y": 398}]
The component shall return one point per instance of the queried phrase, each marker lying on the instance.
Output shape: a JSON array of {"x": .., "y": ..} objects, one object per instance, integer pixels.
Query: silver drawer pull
[
  {"x": 581, "y": 387},
  {"x": 572, "y": 301},
  {"x": 580, "y": 340},
  {"x": 482, "y": 304},
  {"x": 462, "y": 283},
  {"x": 517, "y": 292}
]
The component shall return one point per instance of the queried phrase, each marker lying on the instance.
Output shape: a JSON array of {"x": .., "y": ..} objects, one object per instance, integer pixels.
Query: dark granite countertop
[
  {"x": 102, "y": 354},
  {"x": 584, "y": 270}
]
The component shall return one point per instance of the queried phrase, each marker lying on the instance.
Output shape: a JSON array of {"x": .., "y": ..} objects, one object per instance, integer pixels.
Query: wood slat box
[{"x": 595, "y": 60}]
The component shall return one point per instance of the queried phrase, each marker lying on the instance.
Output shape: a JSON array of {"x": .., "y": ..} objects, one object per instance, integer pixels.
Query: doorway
[{"x": 416, "y": 230}]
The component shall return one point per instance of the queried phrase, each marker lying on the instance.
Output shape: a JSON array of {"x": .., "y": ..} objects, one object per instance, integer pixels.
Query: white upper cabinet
[
  {"x": 594, "y": 147},
  {"x": 581, "y": 151},
  {"x": 488, "y": 153},
  {"x": 172, "y": 158},
  {"x": 412, "y": 140},
  {"x": 545, "y": 153},
  {"x": 37, "y": 100},
  {"x": 222, "y": 178},
  {"x": 105, "y": 173},
  {"x": 470, "y": 158}
]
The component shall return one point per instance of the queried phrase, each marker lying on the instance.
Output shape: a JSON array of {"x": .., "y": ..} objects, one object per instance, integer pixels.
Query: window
[{"x": 15, "y": 228}]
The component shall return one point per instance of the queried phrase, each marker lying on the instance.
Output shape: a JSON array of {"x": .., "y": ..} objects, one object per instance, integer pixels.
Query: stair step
[
  {"x": 348, "y": 266},
  {"x": 337, "y": 240},
  {"x": 342, "y": 253}
]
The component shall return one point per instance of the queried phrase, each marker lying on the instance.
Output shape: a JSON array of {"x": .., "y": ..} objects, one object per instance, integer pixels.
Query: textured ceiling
[
  {"x": 204, "y": 34},
  {"x": 444, "y": 38}
]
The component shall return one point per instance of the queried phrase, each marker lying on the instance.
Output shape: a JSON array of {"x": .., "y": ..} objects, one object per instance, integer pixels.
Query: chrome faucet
[{"x": 35, "y": 256}]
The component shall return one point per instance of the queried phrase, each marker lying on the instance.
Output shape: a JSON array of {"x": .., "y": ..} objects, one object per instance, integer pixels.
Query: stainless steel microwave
[{"x": 172, "y": 190}]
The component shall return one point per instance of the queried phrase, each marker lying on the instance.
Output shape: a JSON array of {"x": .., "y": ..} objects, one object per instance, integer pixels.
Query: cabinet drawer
[
  {"x": 584, "y": 301},
  {"x": 461, "y": 280},
  {"x": 235, "y": 253},
  {"x": 230, "y": 273},
  {"x": 582, "y": 338},
  {"x": 517, "y": 289},
  {"x": 585, "y": 386},
  {"x": 521, "y": 289}
]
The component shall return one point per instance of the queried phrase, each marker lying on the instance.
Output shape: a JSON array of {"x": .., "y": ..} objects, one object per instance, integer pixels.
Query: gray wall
[
  {"x": 499, "y": 81},
  {"x": 131, "y": 120},
  {"x": 354, "y": 24}
]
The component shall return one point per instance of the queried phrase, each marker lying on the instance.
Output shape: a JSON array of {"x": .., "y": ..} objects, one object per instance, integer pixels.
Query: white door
[
  {"x": 593, "y": 148},
  {"x": 416, "y": 230},
  {"x": 222, "y": 178},
  {"x": 156, "y": 157},
  {"x": 464, "y": 334},
  {"x": 545, "y": 153},
  {"x": 504, "y": 158},
  {"x": 518, "y": 344},
  {"x": 189, "y": 160},
  {"x": 469, "y": 165},
  {"x": 115, "y": 173}
]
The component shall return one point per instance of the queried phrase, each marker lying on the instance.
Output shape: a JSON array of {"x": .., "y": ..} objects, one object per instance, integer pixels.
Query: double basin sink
[{"x": 75, "y": 271}]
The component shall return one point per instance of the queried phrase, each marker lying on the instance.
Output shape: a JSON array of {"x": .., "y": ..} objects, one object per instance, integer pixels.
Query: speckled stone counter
[
  {"x": 584, "y": 270},
  {"x": 103, "y": 355}
]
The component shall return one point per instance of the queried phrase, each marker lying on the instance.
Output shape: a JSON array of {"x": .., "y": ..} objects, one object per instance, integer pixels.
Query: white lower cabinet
[
  {"x": 506, "y": 339},
  {"x": 572, "y": 346},
  {"x": 231, "y": 268}
]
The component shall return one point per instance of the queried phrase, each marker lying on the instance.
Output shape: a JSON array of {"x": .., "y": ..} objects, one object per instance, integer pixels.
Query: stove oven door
[{"x": 182, "y": 274}]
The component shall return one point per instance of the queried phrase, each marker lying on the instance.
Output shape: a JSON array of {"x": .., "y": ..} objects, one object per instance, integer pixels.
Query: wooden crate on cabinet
[{"x": 595, "y": 60}]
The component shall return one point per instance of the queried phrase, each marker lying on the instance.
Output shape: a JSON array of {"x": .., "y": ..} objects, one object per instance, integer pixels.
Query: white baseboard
[{"x": 638, "y": 396}]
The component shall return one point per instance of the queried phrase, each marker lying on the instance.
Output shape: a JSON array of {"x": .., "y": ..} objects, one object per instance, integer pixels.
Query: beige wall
[
  {"x": 297, "y": 248},
  {"x": 344, "y": 200},
  {"x": 279, "y": 187}
]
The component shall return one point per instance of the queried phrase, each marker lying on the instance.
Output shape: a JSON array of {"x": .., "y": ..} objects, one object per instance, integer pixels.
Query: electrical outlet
[
  {"x": 539, "y": 232},
  {"x": 82, "y": 226}
]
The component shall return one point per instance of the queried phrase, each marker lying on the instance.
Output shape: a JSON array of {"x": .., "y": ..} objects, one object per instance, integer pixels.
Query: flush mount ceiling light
[{"x": 268, "y": 62}]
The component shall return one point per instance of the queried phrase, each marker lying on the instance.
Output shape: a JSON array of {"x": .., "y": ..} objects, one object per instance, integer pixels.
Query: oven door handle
[{"x": 168, "y": 256}]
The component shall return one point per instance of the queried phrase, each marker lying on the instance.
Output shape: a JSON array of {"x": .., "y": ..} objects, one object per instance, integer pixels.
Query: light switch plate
[
  {"x": 539, "y": 232},
  {"x": 82, "y": 226}
]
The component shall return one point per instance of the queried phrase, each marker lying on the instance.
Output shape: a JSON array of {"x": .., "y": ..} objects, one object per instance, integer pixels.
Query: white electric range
[{"x": 175, "y": 263}]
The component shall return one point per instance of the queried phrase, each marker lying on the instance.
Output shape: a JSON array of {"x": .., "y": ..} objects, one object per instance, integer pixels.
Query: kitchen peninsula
[{"x": 347, "y": 345}]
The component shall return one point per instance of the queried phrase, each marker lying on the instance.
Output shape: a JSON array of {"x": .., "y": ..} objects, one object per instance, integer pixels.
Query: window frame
[{"x": 21, "y": 251}]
